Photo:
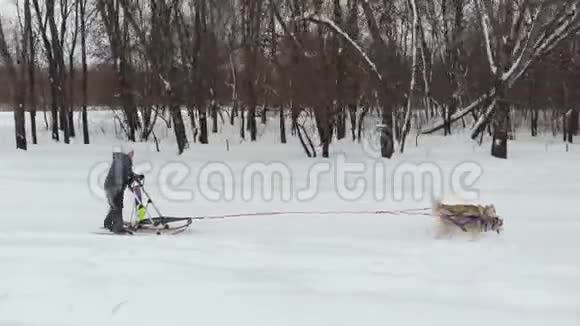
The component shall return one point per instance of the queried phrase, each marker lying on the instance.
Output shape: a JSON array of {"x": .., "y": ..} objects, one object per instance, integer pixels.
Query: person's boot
[
  {"x": 108, "y": 222},
  {"x": 118, "y": 227},
  {"x": 122, "y": 231}
]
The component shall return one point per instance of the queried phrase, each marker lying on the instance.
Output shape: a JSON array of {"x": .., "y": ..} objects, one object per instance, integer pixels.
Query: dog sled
[{"x": 143, "y": 222}]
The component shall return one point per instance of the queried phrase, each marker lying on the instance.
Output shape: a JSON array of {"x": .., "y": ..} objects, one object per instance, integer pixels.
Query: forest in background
[{"x": 422, "y": 64}]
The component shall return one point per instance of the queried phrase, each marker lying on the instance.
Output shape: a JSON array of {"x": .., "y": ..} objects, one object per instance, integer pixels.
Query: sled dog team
[{"x": 473, "y": 219}]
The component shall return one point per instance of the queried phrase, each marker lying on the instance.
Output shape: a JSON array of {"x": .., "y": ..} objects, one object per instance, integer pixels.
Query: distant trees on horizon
[{"x": 413, "y": 63}]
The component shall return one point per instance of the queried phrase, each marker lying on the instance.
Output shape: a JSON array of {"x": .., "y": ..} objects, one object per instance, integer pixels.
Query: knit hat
[{"x": 124, "y": 148}]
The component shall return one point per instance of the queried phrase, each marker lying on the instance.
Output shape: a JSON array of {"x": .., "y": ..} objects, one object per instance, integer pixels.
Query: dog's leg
[
  {"x": 475, "y": 234},
  {"x": 442, "y": 229}
]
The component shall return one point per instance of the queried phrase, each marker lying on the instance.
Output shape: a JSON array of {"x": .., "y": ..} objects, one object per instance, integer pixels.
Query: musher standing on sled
[{"x": 119, "y": 177}]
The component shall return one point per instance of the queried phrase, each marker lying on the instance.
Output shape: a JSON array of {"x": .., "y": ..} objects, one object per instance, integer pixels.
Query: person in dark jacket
[{"x": 119, "y": 177}]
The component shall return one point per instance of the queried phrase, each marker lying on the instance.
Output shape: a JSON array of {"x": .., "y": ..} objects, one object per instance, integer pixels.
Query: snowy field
[{"x": 309, "y": 269}]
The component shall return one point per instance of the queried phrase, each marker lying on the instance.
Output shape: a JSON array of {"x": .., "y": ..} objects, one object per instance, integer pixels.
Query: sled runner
[{"x": 161, "y": 225}]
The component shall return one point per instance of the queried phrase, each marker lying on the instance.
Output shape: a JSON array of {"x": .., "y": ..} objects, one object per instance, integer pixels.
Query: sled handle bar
[{"x": 149, "y": 200}]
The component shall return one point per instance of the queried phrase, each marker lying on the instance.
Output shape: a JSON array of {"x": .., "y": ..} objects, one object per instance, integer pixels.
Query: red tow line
[{"x": 410, "y": 211}]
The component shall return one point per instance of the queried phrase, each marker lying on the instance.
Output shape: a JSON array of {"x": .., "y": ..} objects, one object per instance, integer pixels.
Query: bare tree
[
  {"x": 82, "y": 13},
  {"x": 251, "y": 17},
  {"x": 519, "y": 33},
  {"x": 115, "y": 19},
  {"x": 18, "y": 88},
  {"x": 407, "y": 120},
  {"x": 31, "y": 63}
]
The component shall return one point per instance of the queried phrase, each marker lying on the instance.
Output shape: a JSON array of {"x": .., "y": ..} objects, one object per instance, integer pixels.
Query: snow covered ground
[{"x": 313, "y": 269}]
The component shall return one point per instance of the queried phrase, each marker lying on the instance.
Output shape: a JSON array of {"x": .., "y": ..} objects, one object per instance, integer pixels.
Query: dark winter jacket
[{"x": 120, "y": 174}]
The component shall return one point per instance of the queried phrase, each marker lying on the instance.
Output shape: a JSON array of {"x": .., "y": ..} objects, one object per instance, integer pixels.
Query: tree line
[{"x": 428, "y": 64}]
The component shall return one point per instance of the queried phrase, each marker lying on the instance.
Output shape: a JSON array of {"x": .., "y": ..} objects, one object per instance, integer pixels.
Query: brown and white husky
[{"x": 461, "y": 218}]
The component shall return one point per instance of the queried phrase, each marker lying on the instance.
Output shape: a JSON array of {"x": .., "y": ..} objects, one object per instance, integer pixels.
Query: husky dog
[{"x": 474, "y": 219}]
